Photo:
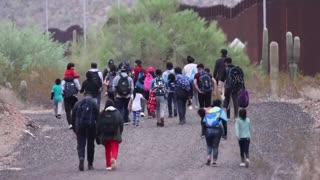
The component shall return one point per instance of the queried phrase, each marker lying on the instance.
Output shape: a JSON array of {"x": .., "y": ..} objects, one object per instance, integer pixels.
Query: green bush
[
  {"x": 23, "y": 51},
  {"x": 156, "y": 32}
]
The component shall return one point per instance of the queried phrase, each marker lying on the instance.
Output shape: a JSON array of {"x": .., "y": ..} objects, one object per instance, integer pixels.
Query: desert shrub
[
  {"x": 156, "y": 32},
  {"x": 28, "y": 54}
]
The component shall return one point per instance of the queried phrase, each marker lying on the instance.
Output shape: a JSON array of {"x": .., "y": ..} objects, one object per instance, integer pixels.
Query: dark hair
[
  {"x": 94, "y": 65},
  {"x": 109, "y": 103},
  {"x": 228, "y": 60},
  {"x": 177, "y": 70},
  {"x": 202, "y": 112},
  {"x": 111, "y": 61},
  {"x": 89, "y": 75},
  {"x": 135, "y": 91},
  {"x": 58, "y": 81},
  {"x": 169, "y": 65},
  {"x": 70, "y": 65},
  {"x": 171, "y": 77},
  {"x": 224, "y": 52},
  {"x": 190, "y": 59},
  {"x": 216, "y": 103},
  {"x": 138, "y": 62},
  {"x": 200, "y": 66},
  {"x": 243, "y": 114},
  {"x": 113, "y": 68},
  {"x": 207, "y": 70},
  {"x": 158, "y": 72}
]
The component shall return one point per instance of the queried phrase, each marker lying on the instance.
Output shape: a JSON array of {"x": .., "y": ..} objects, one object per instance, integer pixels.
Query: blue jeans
[
  {"x": 172, "y": 100},
  {"x": 213, "y": 136},
  {"x": 136, "y": 117}
]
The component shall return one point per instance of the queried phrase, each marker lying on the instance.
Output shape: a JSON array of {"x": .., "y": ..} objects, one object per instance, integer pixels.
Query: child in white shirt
[{"x": 135, "y": 106}]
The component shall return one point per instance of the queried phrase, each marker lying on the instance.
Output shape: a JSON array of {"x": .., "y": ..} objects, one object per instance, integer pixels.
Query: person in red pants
[{"x": 109, "y": 133}]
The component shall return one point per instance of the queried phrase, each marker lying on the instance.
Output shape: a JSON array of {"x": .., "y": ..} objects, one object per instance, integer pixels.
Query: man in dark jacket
[
  {"x": 229, "y": 94},
  {"x": 219, "y": 69},
  {"x": 84, "y": 117},
  {"x": 110, "y": 141}
]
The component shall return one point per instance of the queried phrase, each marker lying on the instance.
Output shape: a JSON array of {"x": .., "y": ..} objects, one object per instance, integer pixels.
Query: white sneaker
[
  {"x": 247, "y": 163},
  {"x": 109, "y": 168},
  {"x": 113, "y": 163},
  {"x": 242, "y": 164},
  {"x": 126, "y": 124},
  {"x": 70, "y": 126},
  {"x": 142, "y": 114},
  {"x": 190, "y": 108}
]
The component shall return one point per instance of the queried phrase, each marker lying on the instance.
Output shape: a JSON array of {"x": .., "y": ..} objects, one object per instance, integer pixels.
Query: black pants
[
  {"x": 229, "y": 94},
  {"x": 86, "y": 136},
  {"x": 244, "y": 144},
  {"x": 122, "y": 106},
  {"x": 225, "y": 129},
  {"x": 205, "y": 99},
  {"x": 172, "y": 101},
  {"x": 68, "y": 106},
  {"x": 182, "y": 97}
]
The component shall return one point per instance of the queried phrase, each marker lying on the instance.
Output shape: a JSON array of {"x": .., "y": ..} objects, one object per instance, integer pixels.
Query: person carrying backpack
[
  {"x": 84, "y": 117},
  {"x": 108, "y": 82},
  {"x": 159, "y": 87},
  {"x": 211, "y": 124},
  {"x": 108, "y": 68},
  {"x": 204, "y": 84},
  {"x": 109, "y": 133},
  {"x": 170, "y": 84},
  {"x": 243, "y": 132},
  {"x": 190, "y": 70},
  {"x": 135, "y": 106},
  {"x": 234, "y": 83},
  {"x": 70, "y": 86},
  {"x": 183, "y": 93},
  {"x": 123, "y": 87},
  {"x": 98, "y": 77}
]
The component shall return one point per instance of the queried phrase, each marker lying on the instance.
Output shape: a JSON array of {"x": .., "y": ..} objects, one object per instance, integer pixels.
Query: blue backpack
[
  {"x": 213, "y": 119},
  {"x": 183, "y": 82},
  {"x": 86, "y": 113}
]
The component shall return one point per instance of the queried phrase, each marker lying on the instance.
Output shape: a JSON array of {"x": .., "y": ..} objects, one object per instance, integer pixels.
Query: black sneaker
[
  {"x": 170, "y": 116},
  {"x": 208, "y": 162},
  {"x": 214, "y": 164},
  {"x": 90, "y": 166},
  {"x": 58, "y": 116},
  {"x": 81, "y": 165}
]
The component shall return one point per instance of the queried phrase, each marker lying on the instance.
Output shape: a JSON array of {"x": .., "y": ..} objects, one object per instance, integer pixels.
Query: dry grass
[{"x": 8, "y": 96}]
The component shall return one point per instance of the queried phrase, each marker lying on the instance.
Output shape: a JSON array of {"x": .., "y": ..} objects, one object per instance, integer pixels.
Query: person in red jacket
[
  {"x": 70, "y": 72},
  {"x": 137, "y": 70}
]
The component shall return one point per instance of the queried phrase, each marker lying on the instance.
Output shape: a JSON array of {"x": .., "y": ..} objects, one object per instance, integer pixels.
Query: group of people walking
[{"x": 136, "y": 89}]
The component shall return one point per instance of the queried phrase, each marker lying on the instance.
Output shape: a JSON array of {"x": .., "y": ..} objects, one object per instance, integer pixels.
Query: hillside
[{"x": 62, "y": 13}]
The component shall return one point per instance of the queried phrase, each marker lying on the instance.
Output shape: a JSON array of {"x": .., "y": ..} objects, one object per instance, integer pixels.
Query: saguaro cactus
[
  {"x": 274, "y": 68},
  {"x": 23, "y": 91},
  {"x": 293, "y": 54},
  {"x": 265, "y": 51}
]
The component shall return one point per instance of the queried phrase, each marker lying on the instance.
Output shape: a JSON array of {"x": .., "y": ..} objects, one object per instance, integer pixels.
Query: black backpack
[
  {"x": 86, "y": 115},
  {"x": 96, "y": 78},
  {"x": 206, "y": 84},
  {"x": 123, "y": 87},
  {"x": 235, "y": 79},
  {"x": 107, "y": 123},
  {"x": 159, "y": 87},
  {"x": 70, "y": 88}
]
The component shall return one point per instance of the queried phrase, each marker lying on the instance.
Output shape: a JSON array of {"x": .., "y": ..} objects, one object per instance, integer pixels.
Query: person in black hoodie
[
  {"x": 219, "y": 70},
  {"x": 90, "y": 86},
  {"x": 110, "y": 136}
]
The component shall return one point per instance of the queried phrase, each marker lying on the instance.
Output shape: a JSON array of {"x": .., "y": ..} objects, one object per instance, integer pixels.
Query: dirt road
[{"x": 173, "y": 152}]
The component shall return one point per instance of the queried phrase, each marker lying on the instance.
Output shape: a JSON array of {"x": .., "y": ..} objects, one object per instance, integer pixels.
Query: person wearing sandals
[
  {"x": 243, "y": 132},
  {"x": 212, "y": 128}
]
